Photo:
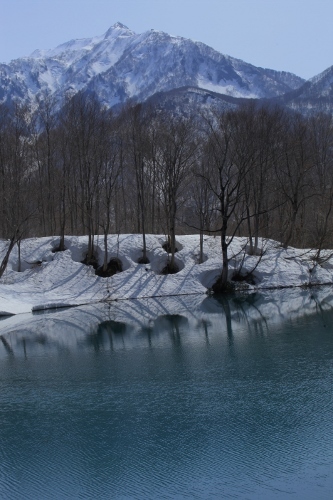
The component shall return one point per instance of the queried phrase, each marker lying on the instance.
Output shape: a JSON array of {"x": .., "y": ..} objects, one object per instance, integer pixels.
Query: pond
[{"x": 184, "y": 397}]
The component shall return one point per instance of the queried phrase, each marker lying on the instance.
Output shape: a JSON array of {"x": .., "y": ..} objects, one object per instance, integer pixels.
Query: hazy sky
[{"x": 290, "y": 35}]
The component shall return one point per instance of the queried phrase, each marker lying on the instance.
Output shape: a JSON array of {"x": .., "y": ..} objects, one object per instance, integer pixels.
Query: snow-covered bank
[{"x": 49, "y": 280}]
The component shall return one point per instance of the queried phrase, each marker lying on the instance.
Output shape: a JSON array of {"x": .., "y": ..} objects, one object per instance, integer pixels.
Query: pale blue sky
[{"x": 290, "y": 35}]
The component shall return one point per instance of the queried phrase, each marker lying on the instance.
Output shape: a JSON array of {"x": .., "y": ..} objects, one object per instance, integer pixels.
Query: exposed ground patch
[{"x": 113, "y": 267}]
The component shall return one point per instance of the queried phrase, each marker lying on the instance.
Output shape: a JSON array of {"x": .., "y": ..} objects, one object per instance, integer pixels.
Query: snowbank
[{"x": 57, "y": 280}]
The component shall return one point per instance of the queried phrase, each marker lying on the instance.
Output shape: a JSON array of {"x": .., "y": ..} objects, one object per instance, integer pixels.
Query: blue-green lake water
[{"x": 177, "y": 398}]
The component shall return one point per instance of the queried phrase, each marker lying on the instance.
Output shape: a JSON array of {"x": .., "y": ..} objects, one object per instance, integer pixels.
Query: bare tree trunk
[
  {"x": 249, "y": 230},
  {"x": 201, "y": 246},
  {"x": 144, "y": 259},
  {"x": 225, "y": 260},
  {"x": 292, "y": 224},
  {"x": 173, "y": 236},
  {"x": 19, "y": 255},
  {"x": 105, "y": 261},
  {"x": 11, "y": 245}
]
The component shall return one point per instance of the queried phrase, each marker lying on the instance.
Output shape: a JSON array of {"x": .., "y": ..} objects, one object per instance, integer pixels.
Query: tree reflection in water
[
  {"x": 105, "y": 332},
  {"x": 134, "y": 323}
]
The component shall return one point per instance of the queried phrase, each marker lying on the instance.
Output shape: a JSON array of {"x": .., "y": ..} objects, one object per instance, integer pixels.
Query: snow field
[{"x": 53, "y": 280}]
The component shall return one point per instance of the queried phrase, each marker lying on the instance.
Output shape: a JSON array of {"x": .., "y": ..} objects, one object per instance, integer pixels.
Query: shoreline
[{"x": 59, "y": 280}]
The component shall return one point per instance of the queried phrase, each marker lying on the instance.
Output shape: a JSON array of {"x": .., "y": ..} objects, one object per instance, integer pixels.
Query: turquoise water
[{"x": 228, "y": 399}]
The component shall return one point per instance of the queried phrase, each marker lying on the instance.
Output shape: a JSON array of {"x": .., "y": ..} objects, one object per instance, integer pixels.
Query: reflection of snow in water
[{"x": 127, "y": 323}]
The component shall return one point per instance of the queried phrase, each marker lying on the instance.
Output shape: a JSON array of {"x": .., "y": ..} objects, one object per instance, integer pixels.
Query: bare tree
[
  {"x": 86, "y": 132},
  {"x": 320, "y": 210},
  {"x": 112, "y": 165},
  {"x": 176, "y": 157},
  {"x": 45, "y": 150},
  {"x": 259, "y": 149},
  {"x": 226, "y": 181},
  {"x": 203, "y": 203},
  {"x": 138, "y": 149},
  {"x": 18, "y": 203},
  {"x": 293, "y": 174}
]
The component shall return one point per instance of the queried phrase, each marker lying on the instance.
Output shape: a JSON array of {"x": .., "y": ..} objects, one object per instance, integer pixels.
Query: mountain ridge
[{"x": 121, "y": 65}]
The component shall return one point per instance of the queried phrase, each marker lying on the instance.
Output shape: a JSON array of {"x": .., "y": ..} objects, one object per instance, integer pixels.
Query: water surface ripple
[{"x": 216, "y": 406}]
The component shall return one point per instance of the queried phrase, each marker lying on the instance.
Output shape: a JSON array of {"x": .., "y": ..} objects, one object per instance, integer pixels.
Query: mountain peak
[
  {"x": 119, "y": 25},
  {"x": 118, "y": 29},
  {"x": 120, "y": 64}
]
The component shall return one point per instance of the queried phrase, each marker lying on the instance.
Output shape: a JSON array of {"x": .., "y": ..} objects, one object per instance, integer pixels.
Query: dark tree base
[
  {"x": 167, "y": 247},
  {"x": 243, "y": 278},
  {"x": 220, "y": 287},
  {"x": 168, "y": 269},
  {"x": 58, "y": 249},
  {"x": 90, "y": 262},
  {"x": 143, "y": 260},
  {"x": 114, "y": 266}
]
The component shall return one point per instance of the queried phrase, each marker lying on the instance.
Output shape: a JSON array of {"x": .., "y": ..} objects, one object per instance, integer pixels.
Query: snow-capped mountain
[
  {"x": 122, "y": 64},
  {"x": 314, "y": 95}
]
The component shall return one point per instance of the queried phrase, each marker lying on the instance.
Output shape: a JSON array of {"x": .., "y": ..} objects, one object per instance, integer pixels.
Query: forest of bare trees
[{"x": 256, "y": 172}]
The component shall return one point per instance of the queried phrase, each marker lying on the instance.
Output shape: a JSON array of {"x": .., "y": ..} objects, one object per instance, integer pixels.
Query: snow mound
[{"x": 60, "y": 280}]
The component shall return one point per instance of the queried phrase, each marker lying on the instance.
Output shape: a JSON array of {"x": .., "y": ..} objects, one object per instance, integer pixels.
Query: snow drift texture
[{"x": 49, "y": 280}]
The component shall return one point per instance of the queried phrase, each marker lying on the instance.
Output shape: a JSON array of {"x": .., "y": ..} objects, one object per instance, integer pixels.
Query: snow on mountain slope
[
  {"x": 320, "y": 85},
  {"x": 315, "y": 95},
  {"x": 122, "y": 64}
]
